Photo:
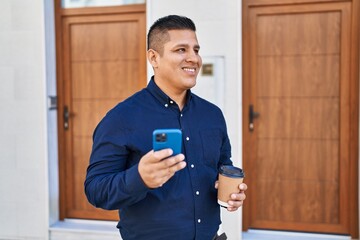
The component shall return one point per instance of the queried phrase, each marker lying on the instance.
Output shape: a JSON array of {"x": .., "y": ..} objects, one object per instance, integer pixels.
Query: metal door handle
[
  {"x": 66, "y": 117},
  {"x": 252, "y": 116}
]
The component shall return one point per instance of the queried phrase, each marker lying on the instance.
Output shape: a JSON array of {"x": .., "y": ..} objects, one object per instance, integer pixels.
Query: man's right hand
[{"x": 156, "y": 168}]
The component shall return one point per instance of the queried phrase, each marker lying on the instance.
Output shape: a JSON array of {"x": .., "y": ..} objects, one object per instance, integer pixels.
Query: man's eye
[{"x": 181, "y": 50}]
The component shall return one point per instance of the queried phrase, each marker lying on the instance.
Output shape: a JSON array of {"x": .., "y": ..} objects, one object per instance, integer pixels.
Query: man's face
[{"x": 179, "y": 65}]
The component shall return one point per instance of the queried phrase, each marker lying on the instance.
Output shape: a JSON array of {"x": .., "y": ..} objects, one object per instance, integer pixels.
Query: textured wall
[{"x": 23, "y": 161}]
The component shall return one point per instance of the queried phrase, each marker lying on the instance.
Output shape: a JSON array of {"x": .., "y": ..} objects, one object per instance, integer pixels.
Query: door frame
[
  {"x": 62, "y": 95},
  {"x": 353, "y": 98}
]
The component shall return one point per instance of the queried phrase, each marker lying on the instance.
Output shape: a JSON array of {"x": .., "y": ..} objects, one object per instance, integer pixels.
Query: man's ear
[{"x": 153, "y": 57}]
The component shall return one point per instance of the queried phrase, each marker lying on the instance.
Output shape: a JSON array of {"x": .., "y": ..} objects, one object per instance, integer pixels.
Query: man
[{"x": 160, "y": 196}]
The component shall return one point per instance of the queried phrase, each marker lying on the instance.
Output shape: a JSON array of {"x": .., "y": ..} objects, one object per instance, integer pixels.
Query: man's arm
[
  {"x": 109, "y": 183},
  {"x": 112, "y": 181}
]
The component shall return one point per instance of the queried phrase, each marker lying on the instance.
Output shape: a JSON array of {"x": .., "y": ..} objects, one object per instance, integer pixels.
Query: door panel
[
  {"x": 299, "y": 76},
  {"x": 299, "y": 193},
  {"x": 298, "y": 118},
  {"x": 87, "y": 75},
  {"x": 102, "y": 63},
  {"x": 297, "y": 154}
]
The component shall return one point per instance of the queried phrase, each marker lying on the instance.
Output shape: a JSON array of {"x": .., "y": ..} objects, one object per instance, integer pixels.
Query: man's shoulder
[
  {"x": 131, "y": 101},
  {"x": 124, "y": 109}
]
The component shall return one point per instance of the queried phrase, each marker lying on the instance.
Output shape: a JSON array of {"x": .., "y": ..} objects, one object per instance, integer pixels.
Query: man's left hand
[{"x": 237, "y": 199}]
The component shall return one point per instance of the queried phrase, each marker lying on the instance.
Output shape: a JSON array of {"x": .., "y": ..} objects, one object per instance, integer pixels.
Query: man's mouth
[{"x": 191, "y": 70}]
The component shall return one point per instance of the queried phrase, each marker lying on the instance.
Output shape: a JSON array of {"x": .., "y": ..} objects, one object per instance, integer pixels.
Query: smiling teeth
[{"x": 189, "y": 69}]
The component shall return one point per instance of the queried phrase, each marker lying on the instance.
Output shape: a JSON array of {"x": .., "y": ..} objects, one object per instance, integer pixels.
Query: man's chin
[
  {"x": 191, "y": 83},
  {"x": 191, "y": 86}
]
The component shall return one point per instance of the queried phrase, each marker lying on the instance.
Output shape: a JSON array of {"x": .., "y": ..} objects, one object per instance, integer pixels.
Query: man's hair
[{"x": 158, "y": 33}]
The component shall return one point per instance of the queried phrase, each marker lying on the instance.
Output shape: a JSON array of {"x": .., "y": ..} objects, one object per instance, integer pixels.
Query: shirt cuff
[{"x": 134, "y": 180}]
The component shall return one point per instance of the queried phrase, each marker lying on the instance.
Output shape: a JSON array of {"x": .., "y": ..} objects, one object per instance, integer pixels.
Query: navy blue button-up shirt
[{"x": 186, "y": 206}]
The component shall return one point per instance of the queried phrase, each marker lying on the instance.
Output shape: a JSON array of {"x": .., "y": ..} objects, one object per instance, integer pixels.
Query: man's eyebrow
[{"x": 186, "y": 45}]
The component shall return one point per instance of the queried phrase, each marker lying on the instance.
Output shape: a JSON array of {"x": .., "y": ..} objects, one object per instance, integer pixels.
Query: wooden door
[
  {"x": 300, "y": 91},
  {"x": 101, "y": 59}
]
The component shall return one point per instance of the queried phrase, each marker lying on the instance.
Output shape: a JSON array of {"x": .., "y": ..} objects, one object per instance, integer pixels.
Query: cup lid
[{"x": 231, "y": 171}]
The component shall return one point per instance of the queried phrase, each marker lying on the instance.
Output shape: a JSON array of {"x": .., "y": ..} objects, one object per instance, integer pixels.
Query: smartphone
[{"x": 167, "y": 138}]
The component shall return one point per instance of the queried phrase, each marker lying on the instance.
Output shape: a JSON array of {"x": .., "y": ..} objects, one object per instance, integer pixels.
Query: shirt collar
[{"x": 161, "y": 96}]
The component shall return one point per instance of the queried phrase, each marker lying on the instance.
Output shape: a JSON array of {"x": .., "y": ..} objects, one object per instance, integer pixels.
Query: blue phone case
[{"x": 167, "y": 138}]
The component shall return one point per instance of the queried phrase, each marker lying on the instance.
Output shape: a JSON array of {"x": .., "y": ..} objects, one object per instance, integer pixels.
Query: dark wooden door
[
  {"x": 102, "y": 62},
  {"x": 298, "y": 80}
]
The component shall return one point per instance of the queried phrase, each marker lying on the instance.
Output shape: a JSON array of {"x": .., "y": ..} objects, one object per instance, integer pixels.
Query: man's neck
[
  {"x": 180, "y": 100},
  {"x": 178, "y": 96}
]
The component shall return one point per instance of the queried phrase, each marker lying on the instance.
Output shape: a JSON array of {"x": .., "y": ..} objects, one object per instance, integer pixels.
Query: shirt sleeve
[
  {"x": 110, "y": 182},
  {"x": 225, "y": 151}
]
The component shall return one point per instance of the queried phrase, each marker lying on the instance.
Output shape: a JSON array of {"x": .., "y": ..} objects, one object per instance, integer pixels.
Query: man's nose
[{"x": 193, "y": 56}]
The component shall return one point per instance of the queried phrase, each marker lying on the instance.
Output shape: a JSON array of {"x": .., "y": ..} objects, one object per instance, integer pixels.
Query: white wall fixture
[{"x": 211, "y": 81}]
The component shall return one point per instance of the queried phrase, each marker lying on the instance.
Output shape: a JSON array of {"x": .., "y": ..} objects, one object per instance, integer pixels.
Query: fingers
[
  {"x": 242, "y": 187},
  {"x": 165, "y": 160},
  {"x": 160, "y": 155},
  {"x": 171, "y": 165},
  {"x": 156, "y": 168},
  {"x": 237, "y": 199},
  {"x": 168, "y": 168},
  {"x": 174, "y": 162}
]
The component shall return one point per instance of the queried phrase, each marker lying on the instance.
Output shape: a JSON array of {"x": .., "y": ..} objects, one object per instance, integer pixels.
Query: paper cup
[{"x": 230, "y": 178}]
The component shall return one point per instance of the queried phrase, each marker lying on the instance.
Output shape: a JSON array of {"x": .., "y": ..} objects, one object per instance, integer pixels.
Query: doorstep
[
  {"x": 253, "y": 234},
  {"x": 74, "y": 229}
]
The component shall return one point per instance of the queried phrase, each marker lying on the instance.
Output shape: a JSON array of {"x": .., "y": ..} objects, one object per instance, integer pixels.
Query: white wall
[
  {"x": 219, "y": 34},
  {"x": 23, "y": 125}
]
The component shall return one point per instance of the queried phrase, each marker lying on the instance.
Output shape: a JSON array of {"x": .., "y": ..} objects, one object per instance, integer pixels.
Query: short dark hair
[{"x": 158, "y": 32}]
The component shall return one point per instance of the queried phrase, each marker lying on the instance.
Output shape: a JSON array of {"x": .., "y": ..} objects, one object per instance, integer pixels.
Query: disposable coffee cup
[{"x": 229, "y": 179}]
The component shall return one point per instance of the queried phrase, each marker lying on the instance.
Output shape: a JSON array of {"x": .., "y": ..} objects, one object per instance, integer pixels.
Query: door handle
[
  {"x": 66, "y": 116},
  {"x": 252, "y": 116}
]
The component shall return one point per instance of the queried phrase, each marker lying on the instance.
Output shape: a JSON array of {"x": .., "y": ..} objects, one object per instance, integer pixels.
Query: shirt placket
[{"x": 188, "y": 140}]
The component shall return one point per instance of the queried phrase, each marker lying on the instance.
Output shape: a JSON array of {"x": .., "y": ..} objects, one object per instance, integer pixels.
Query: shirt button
[
  {"x": 199, "y": 220},
  {"x": 171, "y": 102},
  {"x": 197, "y": 193},
  {"x": 166, "y": 105},
  {"x": 187, "y": 138},
  {"x": 181, "y": 115},
  {"x": 192, "y": 165}
]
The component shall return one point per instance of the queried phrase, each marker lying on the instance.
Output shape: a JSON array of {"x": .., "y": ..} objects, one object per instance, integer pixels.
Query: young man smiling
[{"x": 160, "y": 196}]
